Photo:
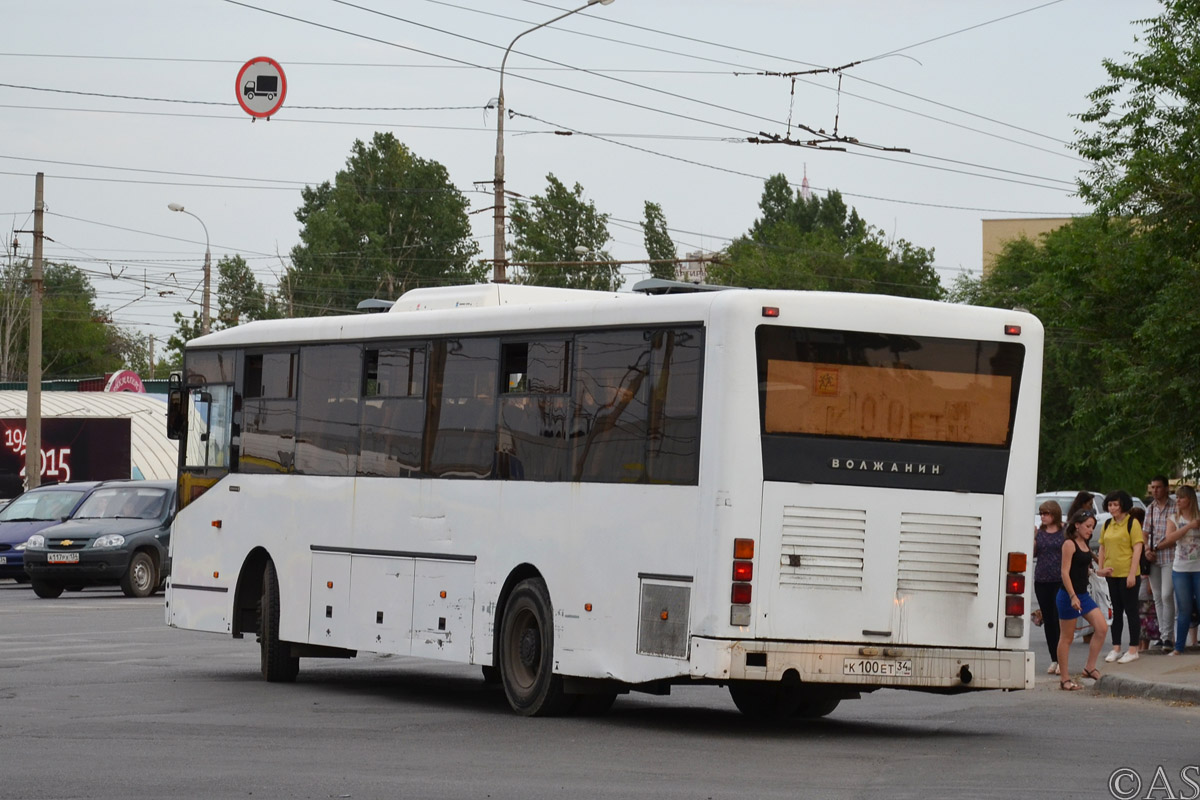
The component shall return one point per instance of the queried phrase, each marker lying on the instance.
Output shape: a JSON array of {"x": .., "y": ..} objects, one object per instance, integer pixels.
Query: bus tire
[
  {"x": 527, "y": 653},
  {"x": 764, "y": 701},
  {"x": 141, "y": 578},
  {"x": 47, "y": 589},
  {"x": 595, "y": 705},
  {"x": 816, "y": 707},
  {"x": 278, "y": 663}
]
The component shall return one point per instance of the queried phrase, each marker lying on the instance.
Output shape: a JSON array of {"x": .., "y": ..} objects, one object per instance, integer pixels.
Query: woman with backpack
[{"x": 1121, "y": 546}]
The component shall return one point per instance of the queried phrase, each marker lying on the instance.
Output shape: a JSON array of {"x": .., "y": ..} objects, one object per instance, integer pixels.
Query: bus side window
[
  {"x": 268, "y": 413},
  {"x": 673, "y": 438},
  {"x": 327, "y": 433},
  {"x": 609, "y": 420},
  {"x": 393, "y": 414},
  {"x": 461, "y": 431},
  {"x": 532, "y": 429}
]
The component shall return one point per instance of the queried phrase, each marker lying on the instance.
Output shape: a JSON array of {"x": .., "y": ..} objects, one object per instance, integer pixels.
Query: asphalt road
[{"x": 99, "y": 699}]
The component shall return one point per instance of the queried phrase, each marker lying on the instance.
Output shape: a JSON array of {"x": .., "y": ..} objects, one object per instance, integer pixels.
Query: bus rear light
[
  {"x": 740, "y": 594},
  {"x": 1012, "y": 330},
  {"x": 743, "y": 548},
  {"x": 216, "y": 523},
  {"x": 1014, "y": 605},
  {"x": 743, "y": 570},
  {"x": 1016, "y": 584},
  {"x": 1016, "y": 562},
  {"x": 739, "y": 616},
  {"x": 770, "y": 311}
]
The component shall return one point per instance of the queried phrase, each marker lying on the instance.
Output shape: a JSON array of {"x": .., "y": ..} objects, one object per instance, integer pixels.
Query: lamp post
[
  {"x": 498, "y": 249},
  {"x": 204, "y": 317}
]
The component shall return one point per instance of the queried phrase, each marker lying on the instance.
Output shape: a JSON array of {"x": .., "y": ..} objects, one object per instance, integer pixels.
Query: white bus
[{"x": 802, "y": 496}]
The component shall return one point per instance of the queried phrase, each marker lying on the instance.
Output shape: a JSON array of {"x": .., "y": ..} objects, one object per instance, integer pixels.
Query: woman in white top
[{"x": 1183, "y": 531}]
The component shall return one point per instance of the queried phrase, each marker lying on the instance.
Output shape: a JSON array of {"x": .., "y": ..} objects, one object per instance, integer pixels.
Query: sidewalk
[{"x": 1154, "y": 674}]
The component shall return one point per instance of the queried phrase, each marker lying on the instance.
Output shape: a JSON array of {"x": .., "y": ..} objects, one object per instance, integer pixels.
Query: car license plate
[
  {"x": 63, "y": 558},
  {"x": 3, "y": 559},
  {"x": 877, "y": 667}
]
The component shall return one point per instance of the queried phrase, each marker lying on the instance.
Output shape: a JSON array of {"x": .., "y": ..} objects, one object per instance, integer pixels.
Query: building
[
  {"x": 88, "y": 436},
  {"x": 996, "y": 232}
]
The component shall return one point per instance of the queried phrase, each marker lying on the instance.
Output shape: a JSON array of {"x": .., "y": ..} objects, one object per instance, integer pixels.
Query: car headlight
[
  {"x": 109, "y": 540},
  {"x": 37, "y": 540}
]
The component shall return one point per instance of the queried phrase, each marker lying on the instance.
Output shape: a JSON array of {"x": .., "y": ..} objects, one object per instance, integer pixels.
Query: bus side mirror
[{"x": 175, "y": 414}]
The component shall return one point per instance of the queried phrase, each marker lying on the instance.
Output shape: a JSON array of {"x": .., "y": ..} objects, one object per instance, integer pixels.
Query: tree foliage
[
  {"x": 659, "y": 245},
  {"x": 77, "y": 338},
  {"x": 389, "y": 222},
  {"x": 1142, "y": 135},
  {"x": 549, "y": 228},
  {"x": 240, "y": 298},
  {"x": 820, "y": 244},
  {"x": 1097, "y": 285},
  {"x": 1143, "y": 131}
]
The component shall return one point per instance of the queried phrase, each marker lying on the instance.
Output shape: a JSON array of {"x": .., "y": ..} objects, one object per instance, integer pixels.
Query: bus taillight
[
  {"x": 1014, "y": 598},
  {"x": 742, "y": 591},
  {"x": 741, "y": 596}
]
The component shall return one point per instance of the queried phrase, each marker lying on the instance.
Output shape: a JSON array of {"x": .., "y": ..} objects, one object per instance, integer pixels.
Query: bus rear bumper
[{"x": 866, "y": 666}]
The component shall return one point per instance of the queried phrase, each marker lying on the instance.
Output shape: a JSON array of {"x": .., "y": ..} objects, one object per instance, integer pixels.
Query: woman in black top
[{"x": 1073, "y": 600}]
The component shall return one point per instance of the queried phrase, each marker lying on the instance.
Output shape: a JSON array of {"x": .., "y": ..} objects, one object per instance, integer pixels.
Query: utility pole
[{"x": 33, "y": 395}]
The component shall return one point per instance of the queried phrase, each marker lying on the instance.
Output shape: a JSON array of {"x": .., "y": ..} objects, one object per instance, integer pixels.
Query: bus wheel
[
  {"x": 278, "y": 664},
  {"x": 47, "y": 589},
  {"x": 527, "y": 653},
  {"x": 765, "y": 702},
  {"x": 595, "y": 705},
  {"x": 141, "y": 578},
  {"x": 817, "y": 706}
]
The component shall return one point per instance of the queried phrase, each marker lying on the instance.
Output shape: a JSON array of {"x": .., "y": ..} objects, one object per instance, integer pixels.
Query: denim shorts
[{"x": 1063, "y": 601}]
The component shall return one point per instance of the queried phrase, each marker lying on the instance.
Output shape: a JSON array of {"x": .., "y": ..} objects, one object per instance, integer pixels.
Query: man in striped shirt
[{"x": 1161, "y": 508}]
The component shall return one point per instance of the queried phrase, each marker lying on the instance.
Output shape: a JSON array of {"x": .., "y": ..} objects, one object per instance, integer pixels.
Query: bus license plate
[
  {"x": 63, "y": 558},
  {"x": 877, "y": 667}
]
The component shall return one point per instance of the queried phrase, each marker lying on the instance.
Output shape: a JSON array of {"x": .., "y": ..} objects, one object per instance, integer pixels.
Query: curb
[{"x": 1132, "y": 687}]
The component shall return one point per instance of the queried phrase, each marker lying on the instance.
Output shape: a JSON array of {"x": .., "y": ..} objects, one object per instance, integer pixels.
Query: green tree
[
  {"x": 658, "y": 241},
  {"x": 550, "y": 227},
  {"x": 240, "y": 298},
  {"x": 820, "y": 244},
  {"x": 1142, "y": 135},
  {"x": 78, "y": 340},
  {"x": 389, "y": 222},
  {"x": 1084, "y": 281},
  {"x": 240, "y": 295}
]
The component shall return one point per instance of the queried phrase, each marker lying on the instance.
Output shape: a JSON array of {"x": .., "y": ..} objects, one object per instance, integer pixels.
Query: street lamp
[
  {"x": 204, "y": 318},
  {"x": 498, "y": 254}
]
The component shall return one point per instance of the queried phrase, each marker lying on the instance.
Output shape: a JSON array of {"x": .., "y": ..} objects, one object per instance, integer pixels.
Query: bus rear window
[{"x": 893, "y": 387}]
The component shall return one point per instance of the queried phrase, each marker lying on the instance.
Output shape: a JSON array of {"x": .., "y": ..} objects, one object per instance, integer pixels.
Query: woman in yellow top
[{"x": 1121, "y": 546}]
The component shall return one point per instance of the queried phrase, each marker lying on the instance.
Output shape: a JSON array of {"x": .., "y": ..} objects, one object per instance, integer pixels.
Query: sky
[{"x": 129, "y": 105}]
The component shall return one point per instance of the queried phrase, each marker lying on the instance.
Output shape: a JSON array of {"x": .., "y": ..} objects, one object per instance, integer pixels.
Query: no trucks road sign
[{"x": 261, "y": 86}]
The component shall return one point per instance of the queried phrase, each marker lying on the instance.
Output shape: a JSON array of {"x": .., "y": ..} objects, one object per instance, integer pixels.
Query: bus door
[{"x": 207, "y": 432}]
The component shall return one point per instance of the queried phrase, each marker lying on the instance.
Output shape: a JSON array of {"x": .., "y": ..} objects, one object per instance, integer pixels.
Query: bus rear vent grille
[
  {"x": 823, "y": 547},
  {"x": 939, "y": 553}
]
